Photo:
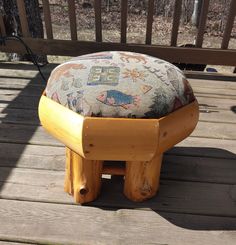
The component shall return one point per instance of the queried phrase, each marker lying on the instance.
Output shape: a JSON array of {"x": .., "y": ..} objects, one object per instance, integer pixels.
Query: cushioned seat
[
  {"x": 119, "y": 84},
  {"x": 123, "y": 106}
]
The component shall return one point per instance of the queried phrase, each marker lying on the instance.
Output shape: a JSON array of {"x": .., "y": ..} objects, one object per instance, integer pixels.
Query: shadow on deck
[{"x": 198, "y": 179}]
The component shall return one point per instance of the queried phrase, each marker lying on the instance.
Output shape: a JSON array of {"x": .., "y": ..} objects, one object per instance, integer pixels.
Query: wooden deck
[{"x": 197, "y": 199}]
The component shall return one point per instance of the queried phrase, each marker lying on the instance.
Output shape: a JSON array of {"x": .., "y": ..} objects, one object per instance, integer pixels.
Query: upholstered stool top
[{"x": 119, "y": 84}]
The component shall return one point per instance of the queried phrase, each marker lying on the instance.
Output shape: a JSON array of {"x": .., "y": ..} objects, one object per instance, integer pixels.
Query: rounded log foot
[
  {"x": 142, "y": 179},
  {"x": 83, "y": 177}
]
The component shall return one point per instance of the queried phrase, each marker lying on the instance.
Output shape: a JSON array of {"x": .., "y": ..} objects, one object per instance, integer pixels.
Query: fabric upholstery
[{"x": 119, "y": 84}]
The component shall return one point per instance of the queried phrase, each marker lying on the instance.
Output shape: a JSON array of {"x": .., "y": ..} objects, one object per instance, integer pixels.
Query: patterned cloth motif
[{"x": 119, "y": 84}]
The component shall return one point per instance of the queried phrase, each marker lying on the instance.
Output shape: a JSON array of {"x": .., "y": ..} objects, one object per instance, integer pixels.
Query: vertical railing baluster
[
  {"x": 98, "y": 20},
  {"x": 23, "y": 18},
  {"x": 2, "y": 26},
  {"x": 72, "y": 18},
  {"x": 202, "y": 23},
  {"x": 176, "y": 22},
  {"x": 123, "y": 27},
  {"x": 149, "y": 22},
  {"x": 229, "y": 25},
  {"x": 47, "y": 19}
]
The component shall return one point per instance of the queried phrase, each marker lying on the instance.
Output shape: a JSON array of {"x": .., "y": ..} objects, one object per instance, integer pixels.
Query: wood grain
[
  {"x": 2, "y": 26},
  {"x": 83, "y": 177},
  {"x": 214, "y": 84},
  {"x": 176, "y": 22},
  {"x": 123, "y": 226},
  {"x": 174, "y": 196},
  {"x": 202, "y": 169},
  {"x": 195, "y": 203},
  {"x": 26, "y": 134},
  {"x": 98, "y": 20},
  {"x": 229, "y": 25},
  {"x": 142, "y": 179},
  {"x": 47, "y": 19},
  {"x": 123, "y": 24},
  {"x": 37, "y": 135},
  {"x": 17, "y": 102},
  {"x": 172, "y": 54},
  {"x": 72, "y": 18},
  {"x": 32, "y": 156},
  {"x": 215, "y": 131},
  {"x": 13, "y": 243},
  {"x": 202, "y": 23},
  {"x": 206, "y": 147},
  {"x": 149, "y": 22},
  {"x": 21, "y": 116},
  {"x": 23, "y": 18}
]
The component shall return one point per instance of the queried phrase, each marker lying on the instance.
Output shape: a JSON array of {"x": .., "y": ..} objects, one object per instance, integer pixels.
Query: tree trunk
[
  {"x": 196, "y": 12},
  {"x": 12, "y": 23}
]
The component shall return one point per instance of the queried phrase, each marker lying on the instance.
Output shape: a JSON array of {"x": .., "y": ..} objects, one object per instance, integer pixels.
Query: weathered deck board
[
  {"x": 19, "y": 102},
  {"x": 214, "y": 84},
  {"x": 51, "y": 157},
  {"x": 22, "y": 116},
  {"x": 203, "y": 169},
  {"x": 23, "y": 134},
  {"x": 13, "y": 243},
  {"x": 32, "y": 156},
  {"x": 174, "y": 196},
  {"x": 206, "y": 148},
  {"x": 85, "y": 225}
]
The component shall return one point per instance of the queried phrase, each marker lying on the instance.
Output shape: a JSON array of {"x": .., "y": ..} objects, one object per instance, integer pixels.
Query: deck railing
[{"x": 172, "y": 53}]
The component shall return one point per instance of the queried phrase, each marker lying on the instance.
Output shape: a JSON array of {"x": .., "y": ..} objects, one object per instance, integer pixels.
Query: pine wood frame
[{"x": 139, "y": 142}]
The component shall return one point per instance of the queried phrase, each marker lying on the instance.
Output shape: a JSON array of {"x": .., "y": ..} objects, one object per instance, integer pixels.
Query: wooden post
[
  {"x": 68, "y": 185},
  {"x": 83, "y": 177},
  {"x": 142, "y": 179}
]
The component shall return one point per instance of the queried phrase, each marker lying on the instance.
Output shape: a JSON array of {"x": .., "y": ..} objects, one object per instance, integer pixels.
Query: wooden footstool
[{"x": 118, "y": 106}]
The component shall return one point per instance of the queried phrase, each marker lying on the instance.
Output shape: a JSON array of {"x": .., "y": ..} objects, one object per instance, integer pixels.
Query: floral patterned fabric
[{"x": 119, "y": 84}]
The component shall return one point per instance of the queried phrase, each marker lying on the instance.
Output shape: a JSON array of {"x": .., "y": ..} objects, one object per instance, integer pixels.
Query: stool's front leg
[
  {"x": 83, "y": 177},
  {"x": 68, "y": 185},
  {"x": 142, "y": 179}
]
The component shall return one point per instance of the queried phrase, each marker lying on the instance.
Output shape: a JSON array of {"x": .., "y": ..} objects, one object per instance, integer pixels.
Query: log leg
[
  {"x": 68, "y": 185},
  {"x": 83, "y": 177},
  {"x": 142, "y": 179}
]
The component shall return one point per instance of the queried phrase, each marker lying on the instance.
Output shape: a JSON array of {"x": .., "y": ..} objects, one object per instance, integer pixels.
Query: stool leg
[
  {"x": 68, "y": 185},
  {"x": 83, "y": 177},
  {"x": 142, "y": 179}
]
